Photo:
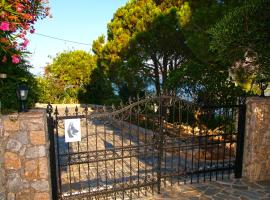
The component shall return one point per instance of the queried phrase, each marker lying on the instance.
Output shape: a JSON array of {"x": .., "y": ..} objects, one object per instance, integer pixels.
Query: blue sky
[{"x": 81, "y": 21}]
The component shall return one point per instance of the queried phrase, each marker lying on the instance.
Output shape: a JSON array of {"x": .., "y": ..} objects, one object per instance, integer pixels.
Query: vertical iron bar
[
  {"x": 114, "y": 153},
  {"x": 97, "y": 169},
  {"x": 105, "y": 156},
  {"x": 138, "y": 150},
  {"x": 224, "y": 141},
  {"x": 69, "y": 157},
  {"x": 231, "y": 140},
  {"x": 122, "y": 151},
  {"x": 218, "y": 142},
  {"x": 186, "y": 151},
  {"x": 240, "y": 141},
  {"x": 52, "y": 153},
  {"x": 58, "y": 152},
  {"x": 192, "y": 153},
  {"x": 205, "y": 154},
  {"x": 180, "y": 140},
  {"x": 160, "y": 147},
  {"x": 87, "y": 147},
  {"x": 212, "y": 146},
  {"x": 78, "y": 151},
  {"x": 130, "y": 150},
  {"x": 145, "y": 143},
  {"x": 199, "y": 153}
]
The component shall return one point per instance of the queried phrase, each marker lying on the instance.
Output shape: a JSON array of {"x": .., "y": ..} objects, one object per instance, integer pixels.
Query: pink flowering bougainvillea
[{"x": 17, "y": 18}]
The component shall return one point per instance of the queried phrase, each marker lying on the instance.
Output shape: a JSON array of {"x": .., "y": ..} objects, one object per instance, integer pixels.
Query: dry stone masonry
[
  {"x": 24, "y": 157},
  {"x": 257, "y": 140}
]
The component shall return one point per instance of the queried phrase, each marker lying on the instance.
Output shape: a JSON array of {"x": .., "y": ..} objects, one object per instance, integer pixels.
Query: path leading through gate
[{"x": 148, "y": 145}]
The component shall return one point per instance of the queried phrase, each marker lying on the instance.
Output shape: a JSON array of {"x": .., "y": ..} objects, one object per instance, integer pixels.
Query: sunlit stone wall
[
  {"x": 24, "y": 157},
  {"x": 256, "y": 166}
]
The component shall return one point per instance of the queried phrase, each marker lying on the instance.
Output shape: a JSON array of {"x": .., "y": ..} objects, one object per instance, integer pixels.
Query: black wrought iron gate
[{"x": 135, "y": 150}]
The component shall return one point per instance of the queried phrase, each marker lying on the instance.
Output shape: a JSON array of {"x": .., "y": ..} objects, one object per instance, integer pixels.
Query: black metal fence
[{"x": 135, "y": 150}]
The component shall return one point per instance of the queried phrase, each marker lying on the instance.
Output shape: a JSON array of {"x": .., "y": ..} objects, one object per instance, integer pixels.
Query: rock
[
  {"x": 35, "y": 152},
  {"x": 2, "y": 196},
  {"x": 43, "y": 168},
  {"x": 31, "y": 170},
  {"x": 22, "y": 137},
  {"x": 14, "y": 145},
  {"x": 41, "y": 196},
  {"x": 37, "y": 137},
  {"x": 22, "y": 151},
  {"x": 14, "y": 182},
  {"x": 11, "y": 125},
  {"x": 25, "y": 195},
  {"x": 32, "y": 124},
  {"x": 11, "y": 196},
  {"x": 12, "y": 161},
  {"x": 41, "y": 186}
]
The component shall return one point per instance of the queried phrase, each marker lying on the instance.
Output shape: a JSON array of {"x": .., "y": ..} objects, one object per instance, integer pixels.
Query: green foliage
[
  {"x": 144, "y": 40},
  {"x": 65, "y": 77},
  {"x": 16, "y": 75},
  {"x": 241, "y": 39},
  {"x": 99, "y": 90}
]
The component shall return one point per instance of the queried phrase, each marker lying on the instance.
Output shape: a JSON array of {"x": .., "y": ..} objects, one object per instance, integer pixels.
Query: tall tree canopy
[
  {"x": 241, "y": 41},
  {"x": 138, "y": 38},
  {"x": 66, "y": 75}
]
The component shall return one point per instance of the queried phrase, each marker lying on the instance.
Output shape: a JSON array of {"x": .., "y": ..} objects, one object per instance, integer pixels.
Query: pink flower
[
  {"x": 15, "y": 59},
  {"x": 19, "y": 7},
  {"x": 4, "y": 26},
  {"x": 32, "y": 31},
  {"x": 25, "y": 43}
]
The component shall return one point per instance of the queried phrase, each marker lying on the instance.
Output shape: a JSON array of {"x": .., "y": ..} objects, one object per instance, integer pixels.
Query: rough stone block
[
  {"x": 22, "y": 151},
  {"x": 31, "y": 170},
  {"x": 41, "y": 196},
  {"x": 14, "y": 182},
  {"x": 43, "y": 168},
  {"x": 2, "y": 196},
  {"x": 35, "y": 125},
  {"x": 35, "y": 152},
  {"x": 12, "y": 161},
  {"x": 26, "y": 195},
  {"x": 14, "y": 145},
  {"x": 11, "y": 196},
  {"x": 11, "y": 125},
  {"x": 22, "y": 137},
  {"x": 40, "y": 186},
  {"x": 37, "y": 137}
]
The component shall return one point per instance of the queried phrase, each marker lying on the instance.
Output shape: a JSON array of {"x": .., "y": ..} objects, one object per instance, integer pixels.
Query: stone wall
[
  {"x": 256, "y": 166},
  {"x": 24, "y": 156}
]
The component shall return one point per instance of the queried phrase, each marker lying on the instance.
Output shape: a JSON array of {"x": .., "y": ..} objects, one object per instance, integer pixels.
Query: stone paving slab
[{"x": 216, "y": 190}]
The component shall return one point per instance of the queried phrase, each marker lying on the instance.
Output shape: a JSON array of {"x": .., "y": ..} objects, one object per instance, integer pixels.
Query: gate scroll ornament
[{"x": 139, "y": 148}]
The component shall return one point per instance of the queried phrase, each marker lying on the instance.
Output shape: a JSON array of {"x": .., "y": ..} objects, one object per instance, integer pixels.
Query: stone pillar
[
  {"x": 24, "y": 157},
  {"x": 256, "y": 164}
]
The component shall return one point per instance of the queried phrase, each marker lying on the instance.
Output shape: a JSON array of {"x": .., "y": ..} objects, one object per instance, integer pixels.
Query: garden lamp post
[
  {"x": 263, "y": 84},
  {"x": 22, "y": 94}
]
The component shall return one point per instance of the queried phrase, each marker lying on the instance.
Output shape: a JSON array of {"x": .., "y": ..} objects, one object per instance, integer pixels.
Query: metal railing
[{"x": 139, "y": 148}]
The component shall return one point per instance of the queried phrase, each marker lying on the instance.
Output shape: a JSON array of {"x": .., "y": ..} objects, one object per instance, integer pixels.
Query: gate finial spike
[
  {"x": 76, "y": 110},
  {"x": 66, "y": 111},
  {"x": 49, "y": 109},
  {"x": 86, "y": 109},
  {"x": 56, "y": 111}
]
